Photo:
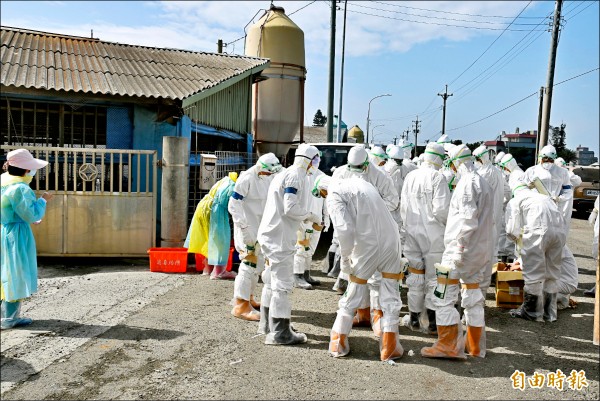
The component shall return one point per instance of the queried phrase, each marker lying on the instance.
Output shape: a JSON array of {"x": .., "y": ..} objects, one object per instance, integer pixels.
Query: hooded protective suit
[
  {"x": 424, "y": 207},
  {"x": 246, "y": 208},
  {"x": 377, "y": 156},
  {"x": 568, "y": 280},
  {"x": 369, "y": 242},
  {"x": 534, "y": 222},
  {"x": 469, "y": 242},
  {"x": 575, "y": 181},
  {"x": 284, "y": 212},
  {"x": 309, "y": 235},
  {"x": 496, "y": 181},
  {"x": 383, "y": 183},
  {"x": 512, "y": 174},
  {"x": 556, "y": 180}
]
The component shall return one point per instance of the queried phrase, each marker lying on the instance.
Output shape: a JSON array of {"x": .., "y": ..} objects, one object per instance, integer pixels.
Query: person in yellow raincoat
[{"x": 198, "y": 236}]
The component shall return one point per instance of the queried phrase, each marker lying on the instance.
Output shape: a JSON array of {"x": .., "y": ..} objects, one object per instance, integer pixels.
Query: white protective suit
[
  {"x": 568, "y": 280},
  {"x": 513, "y": 174},
  {"x": 496, "y": 181},
  {"x": 424, "y": 207},
  {"x": 284, "y": 212},
  {"x": 391, "y": 198},
  {"x": 468, "y": 241},
  {"x": 246, "y": 208},
  {"x": 575, "y": 181},
  {"x": 556, "y": 180},
  {"x": 369, "y": 242},
  {"x": 535, "y": 223},
  {"x": 304, "y": 254},
  {"x": 377, "y": 156},
  {"x": 397, "y": 171}
]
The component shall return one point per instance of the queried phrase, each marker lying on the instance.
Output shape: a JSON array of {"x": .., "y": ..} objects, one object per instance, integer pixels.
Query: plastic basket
[
  {"x": 168, "y": 260},
  {"x": 200, "y": 260}
]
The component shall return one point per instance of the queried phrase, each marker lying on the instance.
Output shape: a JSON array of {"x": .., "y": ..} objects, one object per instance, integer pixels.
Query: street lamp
[
  {"x": 369, "y": 113},
  {"x": 380, "y": 125}
]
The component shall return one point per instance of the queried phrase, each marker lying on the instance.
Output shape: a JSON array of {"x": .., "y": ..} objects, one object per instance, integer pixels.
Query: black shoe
[
  {"x": 300, "y": 282},
  {"x": 528, "y": 309},
  {"x": 263, "y": 324},
  {"x": 591, "y": 292},
  {"x": 432, "y": 325},
  {"x": 550, "y": 307},
  {"x": 309, "y": 279},
  {"x": 282, "y": 334},
  {"x": 413, "y": 323}
]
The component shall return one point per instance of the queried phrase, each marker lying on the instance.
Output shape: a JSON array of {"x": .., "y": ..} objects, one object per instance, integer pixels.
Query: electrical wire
[
  {"x": 522, "y": 100},
  {"x": 434, "y": 17},
  {"x": 450, "y": 12},
  {"x": 488, "y": 48},
  {"x": 437, "y": 23}
]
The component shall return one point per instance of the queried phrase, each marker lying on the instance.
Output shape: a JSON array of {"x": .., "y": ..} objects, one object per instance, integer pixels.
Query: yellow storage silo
[
  {"x": 277, "y": 102},
  {"x": 357, "y": 134}
]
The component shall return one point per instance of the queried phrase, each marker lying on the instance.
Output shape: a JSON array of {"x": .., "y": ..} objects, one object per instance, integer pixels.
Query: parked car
[{"x": 585, "y": 194}]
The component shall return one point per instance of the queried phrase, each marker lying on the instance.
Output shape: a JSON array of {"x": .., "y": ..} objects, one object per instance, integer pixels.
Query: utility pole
[
  {"x": 550, "y": 79},
  {"x": 339, "y": 124},
  {"x": 331, "y": 75},
  {"x": 539, "y": 127},
  {"x": 416, "y": 132},
  {"x": 220, "y": 46},
  {"x": 395, "y": 139},
  {"x": 444, "y": 96}
]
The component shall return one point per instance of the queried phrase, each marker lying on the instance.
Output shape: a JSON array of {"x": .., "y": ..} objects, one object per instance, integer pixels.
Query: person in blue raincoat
[
  {"x": 219, "y": 235},
  {"x": 20, "y": 209}
]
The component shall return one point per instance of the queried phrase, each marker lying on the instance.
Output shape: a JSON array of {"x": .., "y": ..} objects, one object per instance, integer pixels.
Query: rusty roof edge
[{"x": 222, "y": 85}]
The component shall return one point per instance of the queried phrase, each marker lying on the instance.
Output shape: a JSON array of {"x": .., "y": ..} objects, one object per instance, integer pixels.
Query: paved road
[{"x": 110, "y": 329}]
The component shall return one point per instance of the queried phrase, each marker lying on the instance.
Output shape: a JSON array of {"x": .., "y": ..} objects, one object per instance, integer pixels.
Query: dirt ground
[{"x": 110, "y": 329}]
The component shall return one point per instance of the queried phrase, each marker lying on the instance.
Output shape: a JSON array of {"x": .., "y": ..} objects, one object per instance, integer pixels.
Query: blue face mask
[{"x": 31, "y": 173}]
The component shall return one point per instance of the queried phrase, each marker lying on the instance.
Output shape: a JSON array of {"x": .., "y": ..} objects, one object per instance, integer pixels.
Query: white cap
[
  {"x": 22, "y": 158},
  {"x": 499, "y": 157},
  {"x": 322, "y": 182},
  {"x": 560, "y": 162},
  {"x": 444, "y": 139},
  {"x": 308, "y": 151},
  {"x": 396, "y": 153},
  {"x": 508, "y": 162},
  {"x": 483, "y": 153},
  {"x": 434, "y": 154},
  {"x": 548, "y": 151},
  {"x": 460, "y": 154},
  {"x": 357, "y": 156},
  {"x": 269, "y": 163}
]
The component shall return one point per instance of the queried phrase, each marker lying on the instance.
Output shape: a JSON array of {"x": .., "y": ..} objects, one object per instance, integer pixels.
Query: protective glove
[
  {"x": 346, "y": 266},
  {"x": 326, "y": 224},
  {"x": 593, "y": 217},
  {"x": 555, "y": 199},
  {"x": 317, "y": 227}
]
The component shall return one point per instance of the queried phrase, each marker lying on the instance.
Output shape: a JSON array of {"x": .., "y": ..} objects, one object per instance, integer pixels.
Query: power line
[
  {"x": 488, "y": 48},
  {"x": 522, "y": 100},
  {"x": 450, "y": 12},
  {"x": 302, "y": 8},
  {"x": 434, "y": 17},
  {"x": 438, "y": 23}
]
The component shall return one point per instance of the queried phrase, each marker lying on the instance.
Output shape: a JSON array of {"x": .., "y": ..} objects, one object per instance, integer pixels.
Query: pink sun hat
[{"x": 23, "y": 159}]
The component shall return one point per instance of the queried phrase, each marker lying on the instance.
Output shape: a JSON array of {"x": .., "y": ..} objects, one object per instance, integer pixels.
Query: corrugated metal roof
[{"x": 42, "y": 60}]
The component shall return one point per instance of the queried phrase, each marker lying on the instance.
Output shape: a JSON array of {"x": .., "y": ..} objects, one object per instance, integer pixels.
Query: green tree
[
  {"x": 319, "y": 120},
  {"x": 558, "y": 137},
  {"x": 568, "y": 154}
]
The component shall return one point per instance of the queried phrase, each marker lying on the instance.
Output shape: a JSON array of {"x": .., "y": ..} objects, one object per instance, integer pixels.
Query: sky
[{"x": 492, "y": 55}]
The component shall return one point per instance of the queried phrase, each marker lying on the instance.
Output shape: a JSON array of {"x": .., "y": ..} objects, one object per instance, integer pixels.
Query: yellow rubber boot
[
  {"x": 362, "y": 318},
  {"x": 389, "y": 347},
  {"x": 447, "y": 345},
  {"x": 243, "y": 310},
  {"x": 376, "y": 323},
  {"x": 473, "y": 340},
  {"x": 338, "y": 345},
  {"x": 253, "y": 303}
]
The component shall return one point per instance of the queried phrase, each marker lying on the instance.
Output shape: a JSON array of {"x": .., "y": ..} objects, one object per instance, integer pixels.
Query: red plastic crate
[{"x": 168, "y": 260}]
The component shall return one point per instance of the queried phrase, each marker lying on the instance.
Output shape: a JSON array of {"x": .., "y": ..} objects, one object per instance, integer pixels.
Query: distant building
[
  {"x": 521, "y": 145},
  {"x": 585, "y": 157}
]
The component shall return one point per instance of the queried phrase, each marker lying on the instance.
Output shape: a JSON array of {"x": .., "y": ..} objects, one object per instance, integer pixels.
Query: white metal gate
[{"x": 104, "y": 201}]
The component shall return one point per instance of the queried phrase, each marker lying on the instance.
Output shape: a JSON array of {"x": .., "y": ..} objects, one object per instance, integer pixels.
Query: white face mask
[
  {"x": 31, "y": 173},
  {"x": 547, "y": 165}
]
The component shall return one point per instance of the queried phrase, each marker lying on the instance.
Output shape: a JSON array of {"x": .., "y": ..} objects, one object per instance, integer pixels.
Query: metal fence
[{"x": 226, "y": 162}]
